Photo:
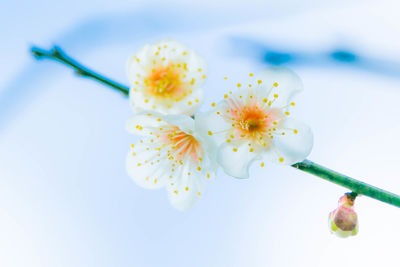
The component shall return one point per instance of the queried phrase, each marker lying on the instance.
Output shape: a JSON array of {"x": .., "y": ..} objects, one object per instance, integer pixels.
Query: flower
[
  {"x": 166, "y": 77},
  {"x": 343, "y": 221},
  {"x": 173, "y": 155},
  {"x": 255, "y": 123}
]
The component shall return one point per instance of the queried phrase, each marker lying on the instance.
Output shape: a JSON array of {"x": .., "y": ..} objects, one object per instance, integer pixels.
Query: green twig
[
  {"x": 354, "y": 185},
  {"x": 357, "y": 187},
  {"x": 57, "y": 54}
]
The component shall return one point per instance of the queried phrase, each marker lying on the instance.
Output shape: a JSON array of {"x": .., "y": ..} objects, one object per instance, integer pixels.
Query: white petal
[
  {"x": 143, "y": 168},
  {"x": 291, "y": 148},
  {"x": 186, "y": 106},
  {"x": 136, "y": 64},
  {"x": 186, "y": 189},
  {"x": 236, "y": 163},
  {"x": 145, "y": 123},
  {"x": 213, "y": 123},
  {"x": 288, "y": 85},
  {"x": 183, "y": 122}
]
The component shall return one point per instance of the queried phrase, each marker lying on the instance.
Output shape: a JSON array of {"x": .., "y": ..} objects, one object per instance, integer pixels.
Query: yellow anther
[
  {"x": 235, "y": 149},
  {"x": 251, "y": 150},
  {"x": 251, "y": 74},
  {"x": 281, "y": 159},
  {"x": 186, "y": 188},
  {"x": 146, "y": 101},
  {"x": 287, "y": 113},
  {"x": 209, "y": 133},
  {"x": 155, "y": 181},
  {"x": 275, "y": 84},
  {"x": 276, "y": 95},
  {"x": 199, "y": 168},
  {"x": 295, "y": 131},
  {"x": 176, "y": 191},
  {"x": 132, "y": 145},
  {"x": 259, "y": 81},
  {"x": 265, "y": 100},
  {"x": 225, "y": 96},
  {"x": 213, "y": 104},
  {"x": 262, "y": 164},
  {"x": 293, "y": 104},
  {"x": 239, "y": 85}
]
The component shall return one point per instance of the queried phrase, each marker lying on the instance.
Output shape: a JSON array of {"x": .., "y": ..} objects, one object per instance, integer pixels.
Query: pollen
[
  {"x": 209, "y": 133},
  {"x": 213, "y": 104},
  {"x": 186, "y": 188},
  {"x": 275, "y": 84},
  {"x": 281, "y": 159},
  {"x": 239, "y": 85}
]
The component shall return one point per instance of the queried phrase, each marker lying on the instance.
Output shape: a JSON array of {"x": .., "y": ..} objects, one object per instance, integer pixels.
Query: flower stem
[
  {"x": 354, "y": 185},
  {"x": 357, "y": 187},
  {"x": 57, "y": 54}
]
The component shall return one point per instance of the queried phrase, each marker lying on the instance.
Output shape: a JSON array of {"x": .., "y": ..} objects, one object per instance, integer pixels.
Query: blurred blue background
[{"x": 66, "y": 200}]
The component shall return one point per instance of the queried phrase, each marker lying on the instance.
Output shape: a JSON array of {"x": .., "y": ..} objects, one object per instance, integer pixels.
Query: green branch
[
  {"x": 57, "y": 54},
  {"x": 354, "y": 185},
  {"x": 357, "y": 187}
]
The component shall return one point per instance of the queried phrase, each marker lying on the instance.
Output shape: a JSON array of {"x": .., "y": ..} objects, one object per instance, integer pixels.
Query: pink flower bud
[{"x": 343, "y": 221}]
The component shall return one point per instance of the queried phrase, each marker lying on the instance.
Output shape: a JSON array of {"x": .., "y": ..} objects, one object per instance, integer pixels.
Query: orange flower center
[
  {"x": 182, "y": 145},
  {"x": 166, "y": 82}
]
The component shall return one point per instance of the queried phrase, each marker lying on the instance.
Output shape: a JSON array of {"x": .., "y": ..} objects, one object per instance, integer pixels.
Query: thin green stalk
[
  {"x": 354, "y": 185},
  {"x": 357, "y": 187},
  {"x": 57, "y": 54}
]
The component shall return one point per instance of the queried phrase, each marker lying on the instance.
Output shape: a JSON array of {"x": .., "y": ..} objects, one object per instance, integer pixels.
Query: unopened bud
[{"x": 343, "y": 221}]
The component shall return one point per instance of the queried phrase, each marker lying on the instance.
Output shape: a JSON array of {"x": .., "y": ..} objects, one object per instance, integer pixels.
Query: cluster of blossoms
[{"x": 182, "y": 151}]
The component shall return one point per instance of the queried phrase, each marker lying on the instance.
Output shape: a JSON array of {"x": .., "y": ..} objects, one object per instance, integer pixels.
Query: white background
[{"x": 66, "y": 200}]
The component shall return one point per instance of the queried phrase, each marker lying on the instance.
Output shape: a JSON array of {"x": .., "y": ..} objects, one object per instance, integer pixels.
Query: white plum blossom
[
  {"x": 173, "y": 155},
  {"x": 166, "y": 77},
  {"x": 255, "y": 123}
]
